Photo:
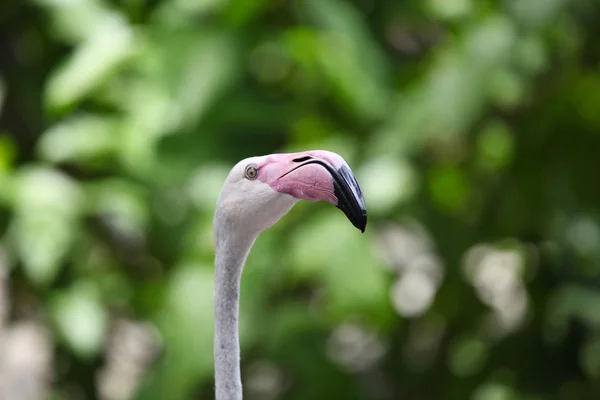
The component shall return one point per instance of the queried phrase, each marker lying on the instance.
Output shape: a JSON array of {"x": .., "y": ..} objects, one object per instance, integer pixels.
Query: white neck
[
  {"x": 244, "y": 210},
  {"x": 231, "y": 252}
]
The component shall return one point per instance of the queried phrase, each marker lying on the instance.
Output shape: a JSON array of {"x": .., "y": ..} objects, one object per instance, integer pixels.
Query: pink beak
[{"x": 317, "y": 175}]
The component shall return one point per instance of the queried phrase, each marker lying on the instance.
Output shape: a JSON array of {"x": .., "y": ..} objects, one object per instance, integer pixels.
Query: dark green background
[{"x": 473, "y": 127}]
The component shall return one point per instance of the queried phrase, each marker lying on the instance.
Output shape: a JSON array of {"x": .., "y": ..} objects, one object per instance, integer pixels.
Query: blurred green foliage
[{"x": 471, "y": 125}]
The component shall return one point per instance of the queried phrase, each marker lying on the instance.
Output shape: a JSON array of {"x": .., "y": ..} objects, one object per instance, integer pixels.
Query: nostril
[{"x": 305, "y": 158}]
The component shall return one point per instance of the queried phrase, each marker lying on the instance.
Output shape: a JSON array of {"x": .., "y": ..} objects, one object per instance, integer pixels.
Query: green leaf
[
  {"x": 331, "y": 249},
  {"x": 506, "y": 88},
  {"x": 210, "y": 68},
  {"x": 47, "y": 207},
  {"x": 196, "y": 6},
  {"x": 536, "y": 13},
  {"x": 80, "y": 318},
  {"x": 8, "y": 153},
  {"x": 450, "y": 9},
  {"x": 449, "y": 188},
  {"x": 81, "y": 138},
  {"x": 124, "y": 203},
  {"x": 589, "y": 358},
  {"x": 494, "y": 391},
  {"x": 186, "y": 323},
  {"x": 467, "y": 356},
  {"x": 386, "y": 183},
  {"x": 74, "y": 21},
  {"x": 532, "y": 54},
  {"x": 495, "y": 146},
  {"x": 347, "y": 54},
  {"x": 205, "y": 184},
  {"x": 574, "y": 301},
  {"x": 94, "y": 60}
]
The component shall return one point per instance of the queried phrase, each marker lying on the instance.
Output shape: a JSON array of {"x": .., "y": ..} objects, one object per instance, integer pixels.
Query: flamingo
[{"x": 257, "y": 193}]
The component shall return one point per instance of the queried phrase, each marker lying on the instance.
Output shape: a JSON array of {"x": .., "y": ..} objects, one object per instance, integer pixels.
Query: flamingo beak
[{"x": 317, "y": 175}]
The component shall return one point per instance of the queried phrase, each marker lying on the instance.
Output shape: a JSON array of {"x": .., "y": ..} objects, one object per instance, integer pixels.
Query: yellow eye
[{"x": 251, "y": 172}]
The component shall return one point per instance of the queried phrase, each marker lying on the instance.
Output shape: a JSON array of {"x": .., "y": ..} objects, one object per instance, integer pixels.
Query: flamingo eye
[{"x": 251, "y": 172}]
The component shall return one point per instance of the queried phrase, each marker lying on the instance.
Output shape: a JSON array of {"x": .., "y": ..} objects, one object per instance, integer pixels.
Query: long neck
[{"x": 230, "y": 256}]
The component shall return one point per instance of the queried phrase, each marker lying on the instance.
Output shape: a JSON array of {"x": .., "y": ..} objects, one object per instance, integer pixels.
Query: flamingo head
[{"x": 259, "y": 191}]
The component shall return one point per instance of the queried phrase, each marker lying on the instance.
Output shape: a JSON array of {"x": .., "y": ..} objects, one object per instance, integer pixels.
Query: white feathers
[{"x": 249, "y": 207}]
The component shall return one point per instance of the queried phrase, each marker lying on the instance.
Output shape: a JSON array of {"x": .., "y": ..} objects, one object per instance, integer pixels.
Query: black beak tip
[
  {"x": 350, "y": 198},
  {"x": 358, "y": 219},
  {"x": 362, "y": 222}
]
